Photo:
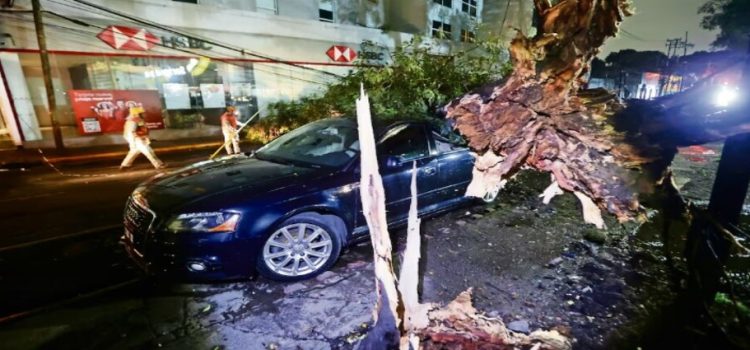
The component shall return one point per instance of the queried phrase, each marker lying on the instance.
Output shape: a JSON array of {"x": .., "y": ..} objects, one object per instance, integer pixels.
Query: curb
[
  {"x": 26, "y": 160},
  {"x": 120, "y": 154}
]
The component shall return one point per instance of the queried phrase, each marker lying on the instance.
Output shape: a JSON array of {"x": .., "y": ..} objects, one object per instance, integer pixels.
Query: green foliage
[
  {"x": 730, "y": 17},
  {"x": 416, "y": 84}
]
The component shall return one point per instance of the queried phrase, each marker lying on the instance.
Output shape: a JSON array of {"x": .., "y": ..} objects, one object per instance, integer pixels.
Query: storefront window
[
  {"x": 5, "y": 138},
  {"x": 185, "y": 96}
]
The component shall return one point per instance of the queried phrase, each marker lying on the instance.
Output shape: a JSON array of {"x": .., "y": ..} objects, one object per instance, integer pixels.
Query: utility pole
[
  {"x": 671, "y": 46},
  {"x": 47, "y": 72},
  {"x": 685, "y": 45}
]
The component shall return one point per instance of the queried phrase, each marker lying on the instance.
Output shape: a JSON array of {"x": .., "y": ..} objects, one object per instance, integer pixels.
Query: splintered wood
[
  {"x": 458, "y": 325},
  {"x": 373, "y": 208},
  {"x": 400, "y": 319},
  {"x": 535, "y": 118}
]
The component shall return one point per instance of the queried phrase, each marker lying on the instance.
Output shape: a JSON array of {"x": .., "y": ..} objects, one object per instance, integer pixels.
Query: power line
[
  {"x": 194, "y": 36},
  {"x": 271, "y": 60},
  {"x": 636, "y": 37},
  {"x": 229, "y": 60}
]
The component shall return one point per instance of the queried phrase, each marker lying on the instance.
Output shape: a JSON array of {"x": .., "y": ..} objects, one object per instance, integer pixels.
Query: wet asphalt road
[
  {"x": 60, "y": 232},
  {"x": 65, "y": 283}
]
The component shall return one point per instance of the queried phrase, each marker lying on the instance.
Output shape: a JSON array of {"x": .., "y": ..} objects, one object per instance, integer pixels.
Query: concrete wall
[
  {"x": 406, "y": 16},
  {"x": 501, "y": 18}
]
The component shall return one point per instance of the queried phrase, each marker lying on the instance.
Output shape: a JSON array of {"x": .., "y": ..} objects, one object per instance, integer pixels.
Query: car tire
[{"x": 301, "y": 247}]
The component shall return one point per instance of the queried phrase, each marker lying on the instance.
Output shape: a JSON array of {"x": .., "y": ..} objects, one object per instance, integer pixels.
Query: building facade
[{"x": 184, "y": 61}]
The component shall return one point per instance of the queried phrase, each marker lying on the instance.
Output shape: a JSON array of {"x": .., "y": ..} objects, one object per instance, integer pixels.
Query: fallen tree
[
  {"x": 400, "y": 320},
  {"x": 591, "y": 143}
]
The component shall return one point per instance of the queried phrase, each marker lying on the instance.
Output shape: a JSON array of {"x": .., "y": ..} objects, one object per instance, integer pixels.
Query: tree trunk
[
  {"x": 385, "y": 332},
  {"x": 593, "y": 145}
]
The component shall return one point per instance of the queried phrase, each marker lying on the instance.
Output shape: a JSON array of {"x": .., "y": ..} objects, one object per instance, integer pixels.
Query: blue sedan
[{"x": 289, "y": 209}]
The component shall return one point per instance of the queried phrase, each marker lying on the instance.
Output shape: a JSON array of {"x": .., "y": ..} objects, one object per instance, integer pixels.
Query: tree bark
[
  {"x": 535, "y": 118},
  {"x": 592, "y": 144}
]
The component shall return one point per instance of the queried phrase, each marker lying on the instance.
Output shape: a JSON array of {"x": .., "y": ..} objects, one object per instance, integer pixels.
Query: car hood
[{"x": 237, "y": 176}]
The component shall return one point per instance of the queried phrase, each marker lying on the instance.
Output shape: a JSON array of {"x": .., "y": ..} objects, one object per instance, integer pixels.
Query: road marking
[
  {"x": 31, "y": 197},
  {"x": 79, "y": 297},
  {"x": 71, "y": 235}
]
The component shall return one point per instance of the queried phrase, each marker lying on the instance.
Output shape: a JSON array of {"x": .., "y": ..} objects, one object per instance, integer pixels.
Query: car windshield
[{"x": 321, "y": 144}]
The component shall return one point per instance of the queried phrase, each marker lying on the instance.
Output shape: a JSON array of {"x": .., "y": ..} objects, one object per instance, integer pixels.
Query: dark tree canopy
[
  {"x": 637, "y": 61},
  {"x": 731, "y": 18}
]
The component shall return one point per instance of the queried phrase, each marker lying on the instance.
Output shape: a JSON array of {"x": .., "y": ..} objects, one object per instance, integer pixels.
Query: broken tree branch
[
  {"x": 589, "y": 141},
  {"x": 456, "y": 326},
  {"x": 385, "y": 329},
  {"x": 535, "y": 119}
]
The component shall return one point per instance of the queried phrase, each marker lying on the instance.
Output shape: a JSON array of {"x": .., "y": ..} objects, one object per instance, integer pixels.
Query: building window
[
  {"x": 267, "y": 6},
  {"x": 325, "y": 15},
  {"x": 469, "y": 7},
  {"x": 446, "y": 3},
  {"x": 467, "y": 36},
  {"x": 325, "y": 11},
  {"x": 441, "y": 30},
  {"x": 187, "y": 1}
]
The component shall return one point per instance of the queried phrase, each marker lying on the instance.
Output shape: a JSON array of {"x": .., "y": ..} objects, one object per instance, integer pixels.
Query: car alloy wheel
[{"x": 298, "y": 249}]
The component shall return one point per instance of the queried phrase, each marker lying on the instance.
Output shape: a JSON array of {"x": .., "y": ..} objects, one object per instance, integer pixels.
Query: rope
[{"x": 61, "y": 173}]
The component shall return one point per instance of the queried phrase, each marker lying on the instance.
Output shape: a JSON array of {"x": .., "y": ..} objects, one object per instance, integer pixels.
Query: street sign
[
  {"x": 341, "y": 53},
  {"x": 127, "y": 38}
]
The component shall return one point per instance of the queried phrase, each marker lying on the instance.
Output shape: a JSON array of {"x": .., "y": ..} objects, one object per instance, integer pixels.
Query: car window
[
  {"x": 442, "y": 145},
  {"x": 323, "y": 143},
  {"x": 405, "y": 141}
]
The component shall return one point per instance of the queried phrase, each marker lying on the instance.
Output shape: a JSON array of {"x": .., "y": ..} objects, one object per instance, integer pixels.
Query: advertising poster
[
  {"x": 213, "y": 96},
  {"x": 105, "y": 111},
  {"x": 176, "y": 96}
]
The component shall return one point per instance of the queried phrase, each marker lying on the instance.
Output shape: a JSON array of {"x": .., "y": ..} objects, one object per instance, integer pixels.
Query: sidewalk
[{"x": 79, "y": 155}]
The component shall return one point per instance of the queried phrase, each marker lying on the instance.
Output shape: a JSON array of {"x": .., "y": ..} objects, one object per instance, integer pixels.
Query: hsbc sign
[
  {"x": 340, "y": 53},
  {"x": 127, "y": 38}
]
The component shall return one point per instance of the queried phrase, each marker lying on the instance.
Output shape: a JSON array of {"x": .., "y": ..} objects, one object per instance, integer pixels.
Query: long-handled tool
[{"x": 242, "y": 126}]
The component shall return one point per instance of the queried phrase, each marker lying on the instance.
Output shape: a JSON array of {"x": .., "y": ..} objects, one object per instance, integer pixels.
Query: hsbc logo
[
  {"x": 340, "y": 53},
  {"x": 127, "y": 38}
]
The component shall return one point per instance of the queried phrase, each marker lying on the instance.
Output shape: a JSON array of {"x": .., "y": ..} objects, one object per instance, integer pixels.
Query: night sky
[{"x": 657, "y": 20}]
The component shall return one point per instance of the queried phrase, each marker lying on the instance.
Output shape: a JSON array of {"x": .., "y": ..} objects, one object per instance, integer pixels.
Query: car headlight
[
  {"x": 726, "y": 96},
  {"x": 205, "y": 222}
]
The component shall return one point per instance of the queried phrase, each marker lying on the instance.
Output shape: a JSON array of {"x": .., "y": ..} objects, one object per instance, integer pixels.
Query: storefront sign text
[{"x": 183, "y": 42}]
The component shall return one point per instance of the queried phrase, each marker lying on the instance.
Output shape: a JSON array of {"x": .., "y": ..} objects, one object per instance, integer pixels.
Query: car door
[
  {"x": 398, "y": 149},
  {"x": 400, "y": 146},
  {"x": 455, "y": 164}
]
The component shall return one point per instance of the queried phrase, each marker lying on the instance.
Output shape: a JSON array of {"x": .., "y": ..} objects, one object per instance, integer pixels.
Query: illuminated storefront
[
  {"x": 184, "y": 83},
  {"x": 190, "y": 93}
]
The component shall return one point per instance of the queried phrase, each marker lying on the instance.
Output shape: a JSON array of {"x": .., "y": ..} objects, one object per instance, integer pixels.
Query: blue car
[{"x": 289, "y": 209}]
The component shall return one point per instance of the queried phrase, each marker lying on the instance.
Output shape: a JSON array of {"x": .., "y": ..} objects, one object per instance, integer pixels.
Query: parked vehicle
[{"x": 290, "y": 208}]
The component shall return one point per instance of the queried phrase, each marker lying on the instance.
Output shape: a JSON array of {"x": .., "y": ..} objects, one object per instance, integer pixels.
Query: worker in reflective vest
[
  {"x": 229, "y": 129},
  {"x": 136, "y": 133}
]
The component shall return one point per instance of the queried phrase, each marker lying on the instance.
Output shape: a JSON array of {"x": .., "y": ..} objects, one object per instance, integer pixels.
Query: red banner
[{"x": 105, "y": 111}]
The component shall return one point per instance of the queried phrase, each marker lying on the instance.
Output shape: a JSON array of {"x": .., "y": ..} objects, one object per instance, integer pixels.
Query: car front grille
[{"x": 138, "y": 220}]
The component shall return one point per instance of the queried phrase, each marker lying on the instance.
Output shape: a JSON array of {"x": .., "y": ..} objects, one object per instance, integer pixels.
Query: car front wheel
[{"x": 301, "y": 247}]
